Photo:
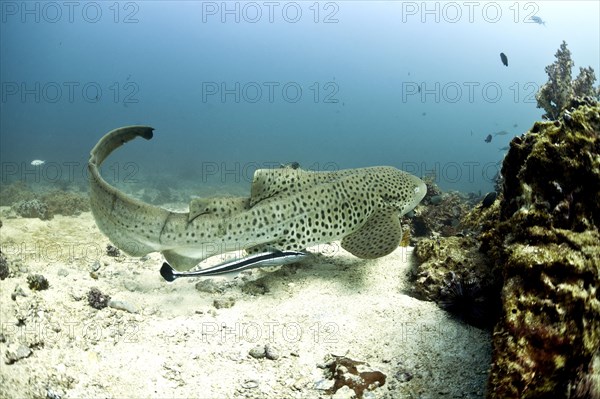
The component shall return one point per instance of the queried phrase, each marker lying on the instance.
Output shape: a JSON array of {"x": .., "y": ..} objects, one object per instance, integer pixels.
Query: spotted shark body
[{"x": 288, "y": 210}]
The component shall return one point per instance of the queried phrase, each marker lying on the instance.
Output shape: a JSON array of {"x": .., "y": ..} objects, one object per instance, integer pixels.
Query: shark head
[{"x": 399, "y": 190}]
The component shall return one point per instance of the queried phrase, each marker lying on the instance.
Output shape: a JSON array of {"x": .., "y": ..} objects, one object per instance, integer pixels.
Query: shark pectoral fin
[
  {"x": 378, "y": 237},
  {"x": 180, "y": 262},
  {"x": 217, "y": 206}
]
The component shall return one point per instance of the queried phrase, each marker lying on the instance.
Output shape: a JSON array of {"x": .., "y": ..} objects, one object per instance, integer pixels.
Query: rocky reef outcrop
[
  {"x": 29, "y": 204},
  {"x": 546, "y": 246},
  {"x": 457, "y": 276},
  {"x": 530, "y": 258}
]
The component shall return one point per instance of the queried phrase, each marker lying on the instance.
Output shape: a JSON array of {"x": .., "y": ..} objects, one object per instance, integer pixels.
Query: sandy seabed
[{"x": 169, "y": 340}]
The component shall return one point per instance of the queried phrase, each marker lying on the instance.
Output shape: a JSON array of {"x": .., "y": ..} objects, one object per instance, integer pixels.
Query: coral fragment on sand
[
  {"x": 37, "y": 282},
  {"x": 356, "y": 375},
  {"x": 97, "y": 299}
]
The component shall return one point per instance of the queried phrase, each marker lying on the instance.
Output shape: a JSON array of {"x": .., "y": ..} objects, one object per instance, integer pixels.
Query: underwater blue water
[{"x": 234, "y": 86}]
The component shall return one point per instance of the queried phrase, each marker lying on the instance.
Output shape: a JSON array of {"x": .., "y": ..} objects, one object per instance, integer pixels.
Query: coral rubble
[
  {"x": 546, "y": 246},
  {"x": 37, "y": 282},
  {"x": 47, "y": 205},
  {"x": 113, "y": 251},
  {"x": 97, "y": 299},
  {"x": 32, "y": 209}
]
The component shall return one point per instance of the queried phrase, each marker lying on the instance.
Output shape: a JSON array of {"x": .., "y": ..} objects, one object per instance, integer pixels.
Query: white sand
[{"x": 179, "y": 345}]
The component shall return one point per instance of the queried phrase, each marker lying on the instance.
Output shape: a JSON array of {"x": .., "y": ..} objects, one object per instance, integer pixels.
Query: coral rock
[
  {"x": 547, "y": 249},
  {"x": 32, "y": 209},
  {"x": 455, "y": 274},
  {"x": 554, "y": 96}
]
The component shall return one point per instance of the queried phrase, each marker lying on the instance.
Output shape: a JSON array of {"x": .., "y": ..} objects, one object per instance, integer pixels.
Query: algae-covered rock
[
  {"x": 442, "y": 214},
  {"x": 65, "y": 203},
  {"x": 546, "y": 246},
  {"x": 32, "y": 209},
  {"x": 52, "y": 203},
  {"x": 455, "y": 274},
  {"x": 15, "y": 192}
]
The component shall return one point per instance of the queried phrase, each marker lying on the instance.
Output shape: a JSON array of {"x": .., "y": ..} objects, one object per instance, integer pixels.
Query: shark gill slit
[
  {"x": 163, "y": 227},
  {"x": 113, "y": 202}
]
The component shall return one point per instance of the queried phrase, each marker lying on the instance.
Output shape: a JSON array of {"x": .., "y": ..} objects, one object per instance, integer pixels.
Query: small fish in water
[
  {"x": 501, "y": 133},
  {"x": 37, "y": 162},
  {"x": 489, "y": 199},
  {"x": 275, "y": 258},
  {"x": 488, "y": 139},
  {"x": 503, "y": 148},
  {"x": 424, "y": 113},
  {"x": 504, "y": 59},
  {"x": 538, "y": 20},
  {"x": 515, "y": 125},
  {"x": 419, "y": 88}
]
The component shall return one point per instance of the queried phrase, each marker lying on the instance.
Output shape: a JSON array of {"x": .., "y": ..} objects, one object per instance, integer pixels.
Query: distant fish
[
  {"x": 503, "y": 149},
  {"x": 501, "y": 133},
  {"x": 488, "y": 139},
  {"x": 515, "y": 125},
  {"x": 489, "y": 199},
  {"x": 504, "y": 59},
  {"x": 538, "y": 20},
  {"x": 37, "y": 162},
  {"x": 424, "y": 113}
]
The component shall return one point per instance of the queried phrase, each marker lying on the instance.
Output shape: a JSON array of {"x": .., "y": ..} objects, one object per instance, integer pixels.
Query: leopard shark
[{"x": 289, "y": 209}]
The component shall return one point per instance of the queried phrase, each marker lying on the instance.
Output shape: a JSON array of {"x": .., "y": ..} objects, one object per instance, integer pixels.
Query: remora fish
[{"x": 276, "y": 258}]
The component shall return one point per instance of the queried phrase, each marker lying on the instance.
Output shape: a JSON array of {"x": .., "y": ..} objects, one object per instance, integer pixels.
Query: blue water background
[{"x": 357, "y": 65}]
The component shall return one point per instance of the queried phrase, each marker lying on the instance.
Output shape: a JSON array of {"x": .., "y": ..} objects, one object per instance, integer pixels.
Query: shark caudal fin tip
[{"x": 148, "y": 132}]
